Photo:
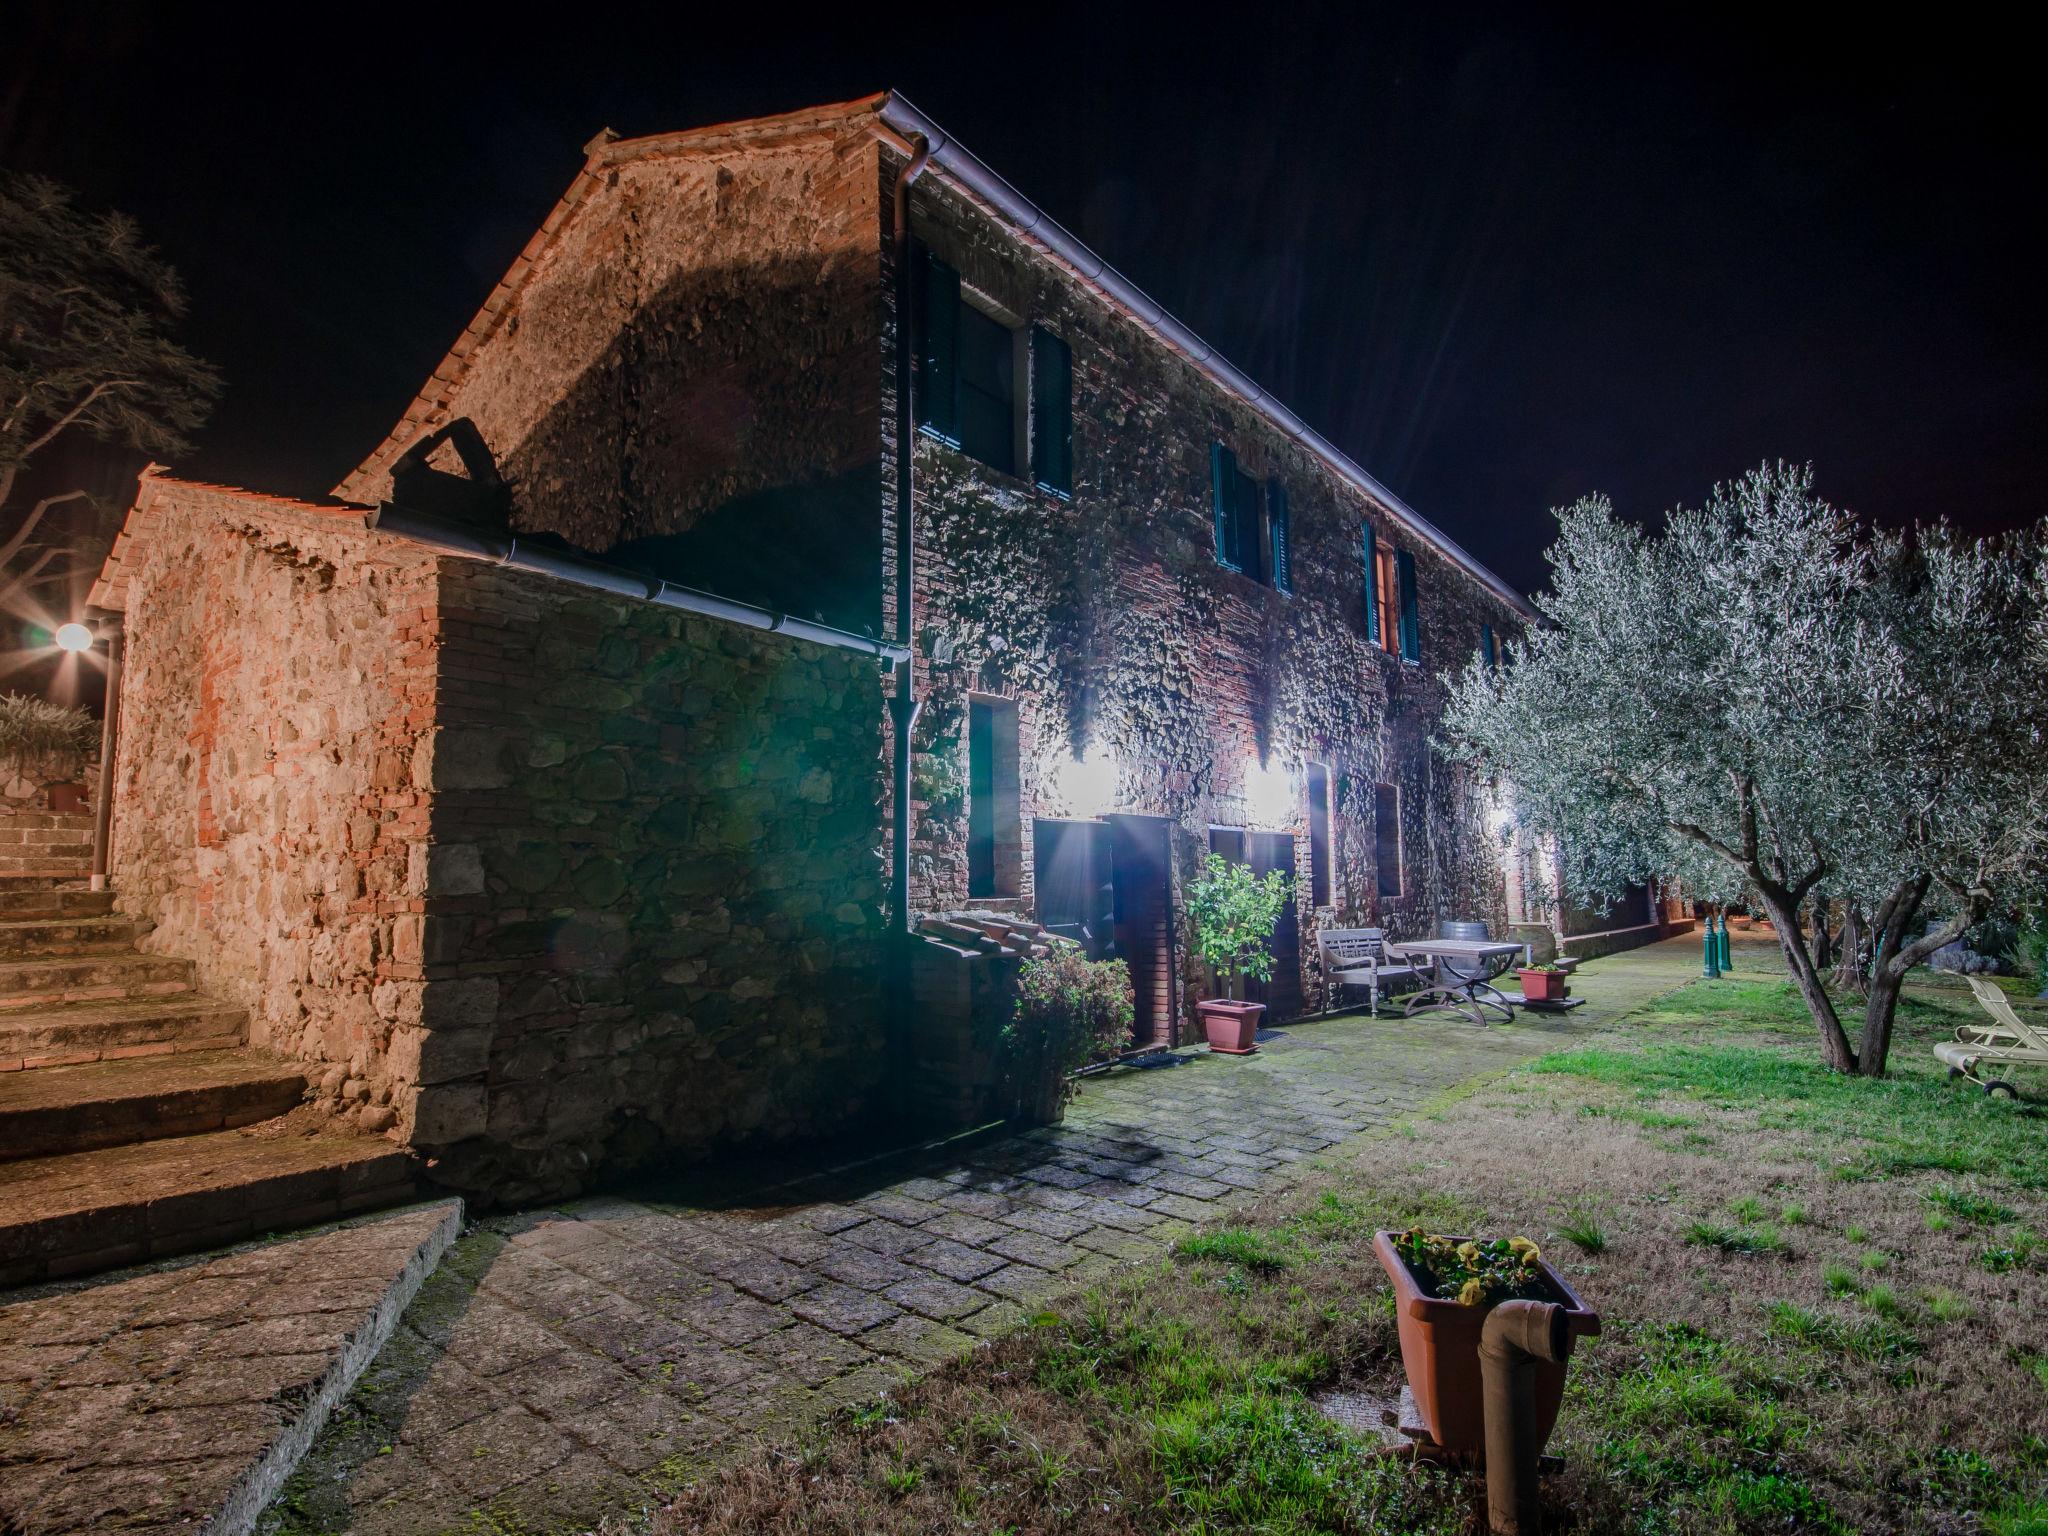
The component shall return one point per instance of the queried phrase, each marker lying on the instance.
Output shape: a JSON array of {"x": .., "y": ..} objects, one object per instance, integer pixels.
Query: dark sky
[{"x": 1503, "y": 258}]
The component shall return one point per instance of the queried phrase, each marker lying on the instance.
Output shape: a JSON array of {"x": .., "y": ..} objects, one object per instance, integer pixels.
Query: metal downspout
[{"x": 903, "y": 703}]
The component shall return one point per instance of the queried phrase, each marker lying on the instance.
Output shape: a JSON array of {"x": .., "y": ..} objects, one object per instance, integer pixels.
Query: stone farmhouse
[{"x": 534, "y": 807}]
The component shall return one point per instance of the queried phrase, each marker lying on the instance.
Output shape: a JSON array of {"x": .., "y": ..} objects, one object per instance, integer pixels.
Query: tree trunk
[
  {"x": 1849, "y": 973},
  {"x": 1834, "y": 1044},
  {"x": 1823, "y": 941},
  {"x": 1896, "y": 957}
]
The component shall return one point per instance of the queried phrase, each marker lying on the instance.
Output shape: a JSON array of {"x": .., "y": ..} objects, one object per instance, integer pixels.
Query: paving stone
[
  {"x": 869, "y": 1271},
  {"x": 841, "y": 1309},
  {"x": 1053, "y": 1224},
  {"x": 962, "y": 1228},
  {"x": 930, "y": 1296},
  {"x": 806, "y": 1353},
  {"x": 1030, "y": 1248},
  {"x": 887, "y": 1237},
  {"x": 922, "y": 1341},
  {"x": 956, "y": 1261},
  {"x": 1019, "y": 1282},
  {"x": 488, "y": 1455}
]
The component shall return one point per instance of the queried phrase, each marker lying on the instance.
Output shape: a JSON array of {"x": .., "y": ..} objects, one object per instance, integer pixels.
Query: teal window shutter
[
  {"x": 1411, "y": 610},
  {"x": 1283, "y": 550},
  {"x": 1487, "y": 651},
  {"x": 1052, "y": 412},
  {"x": 1372, "y": 586},
  {"x": 939, "y": 353},
  {"x": 1223, "y": 489}
]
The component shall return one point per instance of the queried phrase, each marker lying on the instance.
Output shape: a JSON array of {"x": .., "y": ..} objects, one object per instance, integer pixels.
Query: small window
[
  {"x": 1237, "y": 511},
  {"x": 1319, "y": 834},
  {"x": 1052, "y": 413},
  {"x": 1489, "y": 652},
  {"x": 995, "y": 849},
  {"x": 1386, "y": 816}
]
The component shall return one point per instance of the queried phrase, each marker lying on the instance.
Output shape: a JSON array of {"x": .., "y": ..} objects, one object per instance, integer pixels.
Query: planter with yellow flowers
[{"x": 1443, "y": 1289}]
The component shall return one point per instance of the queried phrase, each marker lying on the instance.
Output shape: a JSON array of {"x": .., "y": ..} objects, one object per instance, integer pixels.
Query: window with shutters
[
  {"x": 1386, "y": 816},
  {"x": 1238, "y": 514},
  {"x": 1410, "y": 628},
  {"x": 1382, "y": 594},
  {"x": 968, "y": 363},
  {"x": 1052, "y": 413}
]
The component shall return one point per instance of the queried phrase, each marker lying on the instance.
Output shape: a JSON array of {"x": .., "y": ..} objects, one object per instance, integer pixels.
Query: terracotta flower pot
[
  {"x": 1542, "y": 986},
  {"x": 1440, "y": 1352},
  {"x": 65, "y": 798},
  {"x": 1230, "y": 1025}
]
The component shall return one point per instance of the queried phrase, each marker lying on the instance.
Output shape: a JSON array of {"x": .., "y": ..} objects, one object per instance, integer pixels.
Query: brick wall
[
  {"x": 654, "y": 891},
  {"x": 278, "y": 678}
]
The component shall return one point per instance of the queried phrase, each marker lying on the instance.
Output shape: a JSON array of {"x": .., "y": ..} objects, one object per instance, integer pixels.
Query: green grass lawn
[{"x": 1821, "y": 1296}]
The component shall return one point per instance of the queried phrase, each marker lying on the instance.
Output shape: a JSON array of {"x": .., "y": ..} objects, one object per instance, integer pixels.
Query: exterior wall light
[
  {"x": 1270, "y": 796},
  {"x": 1086, "y": 783},
  {"x": 73, "y": 637}
]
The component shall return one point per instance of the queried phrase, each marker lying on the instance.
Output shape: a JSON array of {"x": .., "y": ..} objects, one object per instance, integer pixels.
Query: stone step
[
  {"x": 35, "y": 937},
  {"x": 88, "y": 1211},
  {"x": 57, "y": 864},
  {"x": 12, "y": 836},
  {"x": 143, "y": 1098},
  {"x": 73, "y": 1034},
  {"x": 44, "y": 881},
  {"x": 16, "y": 904},
  {"x": 49, "y": 983}
]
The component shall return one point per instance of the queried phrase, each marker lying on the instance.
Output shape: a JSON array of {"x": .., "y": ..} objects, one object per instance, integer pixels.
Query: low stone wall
[
  {"x": 278, "y": 678},
  {"x": 25, "y": 787},
  {"x": 653, "y": 893}
]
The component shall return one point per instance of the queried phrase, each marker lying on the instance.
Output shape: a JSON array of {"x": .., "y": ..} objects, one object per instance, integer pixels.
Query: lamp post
[
  {"x": 1710, "y": 951},
  {"x": 1721, "y": 954},
  {"x": 79, "y": 638}
]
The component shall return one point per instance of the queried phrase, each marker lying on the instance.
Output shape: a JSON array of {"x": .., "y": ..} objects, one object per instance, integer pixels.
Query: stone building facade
[{"x": 569, "y": 879}]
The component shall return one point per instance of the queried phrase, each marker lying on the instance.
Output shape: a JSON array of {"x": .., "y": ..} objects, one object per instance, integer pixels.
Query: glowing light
[
  {"x": 1269, "y": 794},
  {"x": 1086, "y": 783},
  {"x": 73, "y": 637}
]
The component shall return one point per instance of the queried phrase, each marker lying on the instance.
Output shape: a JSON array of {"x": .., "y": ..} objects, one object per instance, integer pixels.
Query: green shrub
[
  {"x": 1069, "y": 1011},
  {"x": 1234, "y": 913}
]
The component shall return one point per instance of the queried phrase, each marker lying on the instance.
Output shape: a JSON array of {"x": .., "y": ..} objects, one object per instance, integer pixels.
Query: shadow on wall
[{"x": 728, "y": 438}]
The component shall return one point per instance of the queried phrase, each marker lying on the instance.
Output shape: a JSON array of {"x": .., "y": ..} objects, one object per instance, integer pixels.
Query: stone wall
[
  {"x": 686, "y": 376},
  {"x": 277, "y": 684},
  {"x": 1107, "y": 618},
  {"x": 654, "y": 889}
]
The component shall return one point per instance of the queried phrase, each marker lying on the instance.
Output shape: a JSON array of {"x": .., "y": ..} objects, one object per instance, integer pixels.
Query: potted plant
[
  {"x": 1443, "y": 1289},
  {"x": 1068, "y": 1011},
  {"x": 1542, "y": 983},
  {"x": 35, "y": 734},
  {"x": 1234, "y": 913}
]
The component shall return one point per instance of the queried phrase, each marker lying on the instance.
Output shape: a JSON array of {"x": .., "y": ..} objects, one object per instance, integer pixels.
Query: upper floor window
[
  {"x": 1393, "y": 610},
  {"x": 972, "y": 370},
  {"x": 1252, "y": 533},
  {"x": 1489, "y": 648}
]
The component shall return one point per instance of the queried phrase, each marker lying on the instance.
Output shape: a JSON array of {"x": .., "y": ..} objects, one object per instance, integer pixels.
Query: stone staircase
[{"x": 135, "y": 1120}]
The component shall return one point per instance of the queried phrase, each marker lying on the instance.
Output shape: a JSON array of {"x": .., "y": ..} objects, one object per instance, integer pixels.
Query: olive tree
[
  {"x": 1768, "y": 697},
  {"x": 86, "y": 314}
]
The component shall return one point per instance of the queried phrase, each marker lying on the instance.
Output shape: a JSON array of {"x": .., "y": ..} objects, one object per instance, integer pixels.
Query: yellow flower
[
  {"x": 1471, "y": 1294},
  {"x": 1525, "y": 1250},
  {"x": 1469, "y": 1252}
]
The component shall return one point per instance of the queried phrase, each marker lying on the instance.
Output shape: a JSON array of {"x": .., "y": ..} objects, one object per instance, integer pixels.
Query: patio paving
[{"x": 583, "y": 1360}]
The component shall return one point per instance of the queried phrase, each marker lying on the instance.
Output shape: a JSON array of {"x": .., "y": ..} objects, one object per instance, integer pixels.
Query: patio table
[{"x": 1461, "y": 994}]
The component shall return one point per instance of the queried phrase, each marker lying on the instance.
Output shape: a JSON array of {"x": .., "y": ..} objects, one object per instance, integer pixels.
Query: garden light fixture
[{"x": 73, "y": 637}]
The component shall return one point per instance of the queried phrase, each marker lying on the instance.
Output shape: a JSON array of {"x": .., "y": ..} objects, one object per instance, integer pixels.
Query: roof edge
[{"x": 949, "y": 156}]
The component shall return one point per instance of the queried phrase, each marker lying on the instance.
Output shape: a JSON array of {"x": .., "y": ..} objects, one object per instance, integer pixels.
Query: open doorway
[
  {"x": 1106, "y": 885},
  {"x": 1265, "y": 852}
]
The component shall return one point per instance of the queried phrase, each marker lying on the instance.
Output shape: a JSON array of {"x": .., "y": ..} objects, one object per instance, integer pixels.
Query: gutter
[
  {"x": 945, "y": 152},
  {"x": 448, "y": 537}
]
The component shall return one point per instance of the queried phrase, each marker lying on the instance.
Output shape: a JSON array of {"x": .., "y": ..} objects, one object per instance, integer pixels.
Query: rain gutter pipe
[
  {"x": 1516, "y": 1336},
  {"x": 959, "y": 163},
  {"x": 447, "y": 537}
]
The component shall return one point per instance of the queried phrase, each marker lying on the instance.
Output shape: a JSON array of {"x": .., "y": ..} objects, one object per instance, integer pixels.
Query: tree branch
[
  {"x": 92, "y": 396},
  {"x": 35, "y": 515}
]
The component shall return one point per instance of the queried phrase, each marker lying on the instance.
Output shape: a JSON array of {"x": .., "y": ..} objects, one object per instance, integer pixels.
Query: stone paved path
[
  {"x": 574, "y": 1362},
  {"x": 148, "y": 1402}
]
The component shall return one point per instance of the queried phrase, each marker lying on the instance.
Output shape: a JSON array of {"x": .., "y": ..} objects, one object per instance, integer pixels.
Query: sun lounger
[{"x": 2009, "y": 1041}]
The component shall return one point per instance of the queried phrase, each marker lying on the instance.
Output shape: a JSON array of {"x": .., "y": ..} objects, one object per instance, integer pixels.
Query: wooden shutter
[
  {"x": 1223, "y": 489},
  {"x": 1487, "y": 653},
  {"x": 1052, "y": 412},
  {"x": 1372, "y": 586},
  {"x": 1283, "y": 545},
  {"x": 939, "y": 350},
  {"x": 1411, "y": 611}
]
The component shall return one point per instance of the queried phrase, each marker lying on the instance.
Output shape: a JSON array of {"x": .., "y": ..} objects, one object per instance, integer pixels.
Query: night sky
[{"x": 1503, "y": 259}]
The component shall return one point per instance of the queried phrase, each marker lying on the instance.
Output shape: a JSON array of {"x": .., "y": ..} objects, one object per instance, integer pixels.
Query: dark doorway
[
  {"x": 1265, "y": 852},
  {"x": 1105, "y": 885},
  {"x": 1141, "y": 865}
]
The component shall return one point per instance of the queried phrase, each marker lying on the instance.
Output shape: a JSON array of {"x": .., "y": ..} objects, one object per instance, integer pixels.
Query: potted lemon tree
[{"x": 1234, "y": 913}]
